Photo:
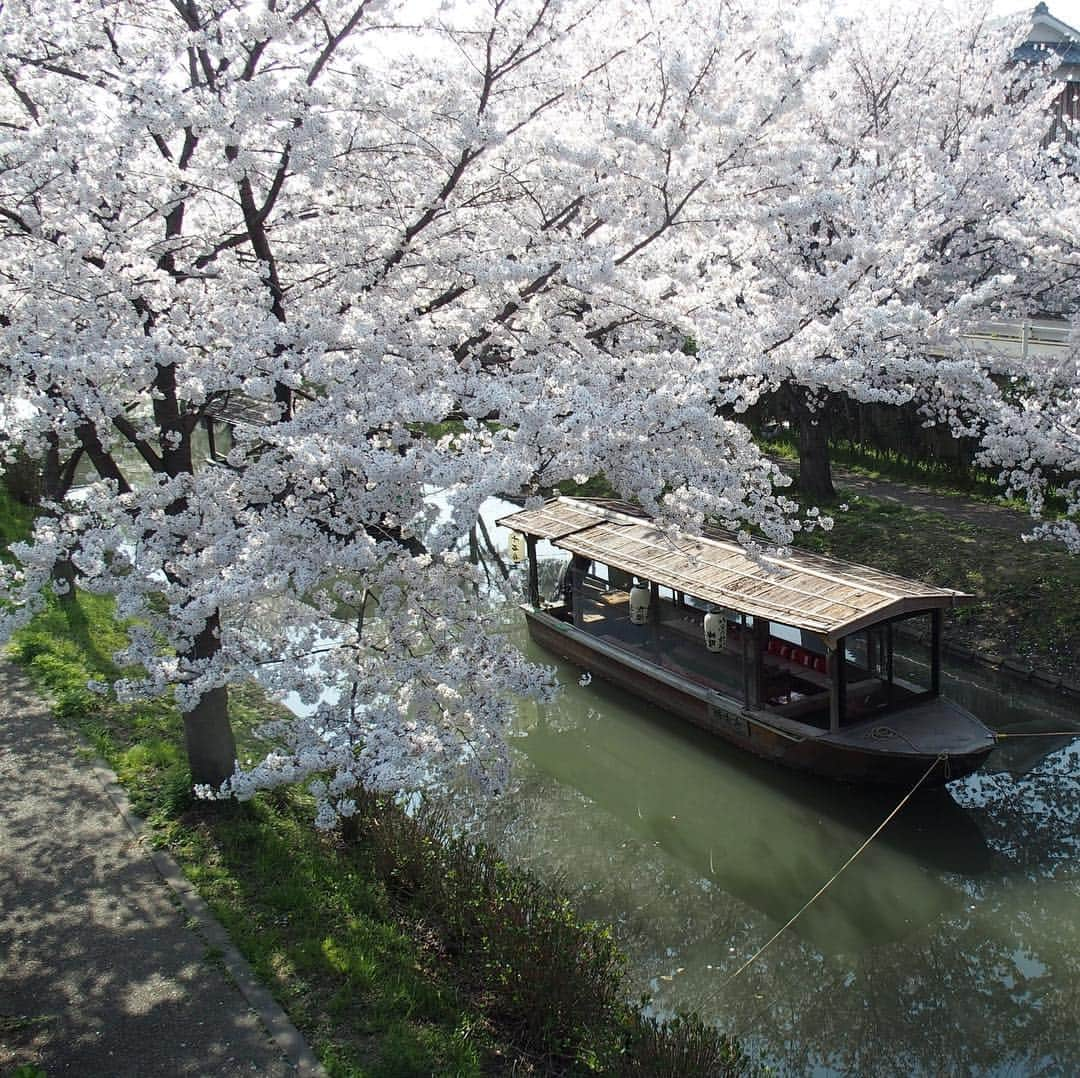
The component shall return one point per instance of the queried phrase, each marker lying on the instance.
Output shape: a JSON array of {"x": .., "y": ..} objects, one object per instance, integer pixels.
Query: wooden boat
[{"x": 799, "y": 658}]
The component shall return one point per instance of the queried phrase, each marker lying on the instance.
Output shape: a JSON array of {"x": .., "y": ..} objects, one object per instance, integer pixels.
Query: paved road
[{"x": 100, "y": 972}]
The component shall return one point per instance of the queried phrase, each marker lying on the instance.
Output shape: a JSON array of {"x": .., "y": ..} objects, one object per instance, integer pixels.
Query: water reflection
[{"x": 950, "y": 946}]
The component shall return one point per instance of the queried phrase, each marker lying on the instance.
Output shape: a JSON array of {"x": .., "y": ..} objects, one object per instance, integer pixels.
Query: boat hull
[{"x": 759, "y": 732}]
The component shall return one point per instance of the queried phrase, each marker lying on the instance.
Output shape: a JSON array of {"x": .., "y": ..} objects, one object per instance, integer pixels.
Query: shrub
[
  {"x": 678, "y": 1047},
  {"x": 552, "y": 984},
  {"x": 552, "y": 980}
]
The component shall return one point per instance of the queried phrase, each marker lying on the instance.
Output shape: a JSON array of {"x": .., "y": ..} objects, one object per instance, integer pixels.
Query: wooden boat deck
[
  {"x": 675, "y": 643},
  {"x": 798, "y": 696},
  {"x": 917, "y": 730}
]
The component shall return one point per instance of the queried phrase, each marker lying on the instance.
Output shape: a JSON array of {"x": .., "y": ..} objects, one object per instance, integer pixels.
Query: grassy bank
[
  {"x": 396, "y": 948},
  {"x": 1027, "y": 596}
]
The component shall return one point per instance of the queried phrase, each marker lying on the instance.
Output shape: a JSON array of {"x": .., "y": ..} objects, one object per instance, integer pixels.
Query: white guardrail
[{"x": 1039, "y": 337}]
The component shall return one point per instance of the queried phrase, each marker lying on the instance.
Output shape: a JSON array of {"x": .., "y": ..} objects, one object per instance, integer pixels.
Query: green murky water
[{"x": 951, "y": 946}]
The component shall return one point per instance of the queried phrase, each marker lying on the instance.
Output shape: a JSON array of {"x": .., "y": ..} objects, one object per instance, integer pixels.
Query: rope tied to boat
[
  {"x": 885, "y": 733},
  {"x": 1038, "y": 733},
  {"x": 941, "y": 758}
]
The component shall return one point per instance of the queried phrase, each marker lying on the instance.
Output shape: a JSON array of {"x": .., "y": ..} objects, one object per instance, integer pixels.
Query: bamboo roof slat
[
  {"x": 806, "y": 591},
  {"x": 720, "y": 573}
]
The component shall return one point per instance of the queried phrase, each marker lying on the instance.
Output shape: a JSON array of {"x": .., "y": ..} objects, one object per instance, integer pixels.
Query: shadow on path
[{"x": 100, "y": 974}]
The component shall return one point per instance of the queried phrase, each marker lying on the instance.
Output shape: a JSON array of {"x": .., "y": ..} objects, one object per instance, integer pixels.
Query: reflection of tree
[
  {"x": 983, "y": 978},
  {"x": 971, "y": 996},
  {"x": 1033, "y": 819}
]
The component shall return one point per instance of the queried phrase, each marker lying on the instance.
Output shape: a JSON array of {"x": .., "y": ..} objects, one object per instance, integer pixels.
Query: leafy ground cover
[
  {"x": 1027, "y": 595},
  {"x": 396, "y": 947}
]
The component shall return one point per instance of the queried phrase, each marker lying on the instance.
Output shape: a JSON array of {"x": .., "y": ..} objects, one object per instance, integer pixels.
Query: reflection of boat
[
  {"x": 763, "y": 835},
  {"x": 790, "y": 657}
]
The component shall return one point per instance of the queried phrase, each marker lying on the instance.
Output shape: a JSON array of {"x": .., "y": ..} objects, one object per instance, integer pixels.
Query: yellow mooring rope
[
  {"x": 835, "y": 876},
  {"x": 1039, "y": 733}
]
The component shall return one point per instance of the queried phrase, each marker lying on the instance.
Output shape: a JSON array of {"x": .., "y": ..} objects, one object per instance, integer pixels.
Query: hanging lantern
[
  {"x": 639, "y": 604},
  {"x": 715, "y": 631},
  {"x": 516, "y": 547}
]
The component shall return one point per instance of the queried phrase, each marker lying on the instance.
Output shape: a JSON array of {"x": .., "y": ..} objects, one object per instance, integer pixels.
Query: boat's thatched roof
[{"x": 806, "y": 591}]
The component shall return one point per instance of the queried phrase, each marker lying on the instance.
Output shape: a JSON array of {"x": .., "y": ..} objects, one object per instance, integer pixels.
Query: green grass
[
  {"x": 320, "y": 931},
  {"x": 596, "y": 487},
  {"x": 1027, "y": 596},
  {"x": 16, "y": 520},
  {"x": 70, "y": 644},
  {"x": 315, "y": 924}
]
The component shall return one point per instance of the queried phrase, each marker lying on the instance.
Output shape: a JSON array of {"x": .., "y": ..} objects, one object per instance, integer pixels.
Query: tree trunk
[
  {"x": 22, "y": 479},
  {"x": 63, "y": 573},
  {"x": 54, "y": 489},
  {"x": 815, "y": 472},
  {"x": 208, "y": 735}
]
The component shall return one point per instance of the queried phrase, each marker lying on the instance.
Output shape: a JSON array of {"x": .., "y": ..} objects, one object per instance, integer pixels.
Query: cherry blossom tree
[
  {"x": 927, "y": 198},
  {"x": 370, "y": 227},
  {"x": 440, "y": 255}
]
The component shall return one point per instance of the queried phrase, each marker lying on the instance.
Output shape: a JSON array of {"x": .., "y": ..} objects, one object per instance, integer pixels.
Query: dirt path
[
  {"x": 102, "y": 971},
  {"x": 913, "y": 496}
]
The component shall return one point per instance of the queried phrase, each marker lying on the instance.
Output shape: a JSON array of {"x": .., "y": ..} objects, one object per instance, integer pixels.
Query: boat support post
[
  {"x": 935, "y": 652},
  {"x": 890, "y": 643},
  {"x": 838, "y": 674},
  {"x": 754, "y": 669},
  {"x": 211, "y": 441},
  {"x": 534, "y": 572}
]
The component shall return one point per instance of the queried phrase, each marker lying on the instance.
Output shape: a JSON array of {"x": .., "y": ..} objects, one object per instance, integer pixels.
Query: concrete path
[{"x": 102, "y": 971}]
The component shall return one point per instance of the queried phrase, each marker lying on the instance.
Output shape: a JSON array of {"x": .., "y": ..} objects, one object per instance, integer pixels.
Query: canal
[{"x": 952, "y": 945}]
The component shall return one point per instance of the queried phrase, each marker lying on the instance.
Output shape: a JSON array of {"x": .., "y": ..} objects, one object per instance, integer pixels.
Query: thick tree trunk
[
  {"x": 63, "y": 573},
  {"x": 815, "y": 472},
  {"x": 208, "y": 735}
]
